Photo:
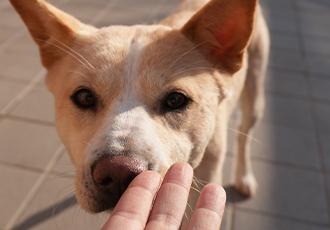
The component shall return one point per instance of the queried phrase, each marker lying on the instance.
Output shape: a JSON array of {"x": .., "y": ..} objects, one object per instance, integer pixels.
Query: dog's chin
[{"x": 98, "y": 201}]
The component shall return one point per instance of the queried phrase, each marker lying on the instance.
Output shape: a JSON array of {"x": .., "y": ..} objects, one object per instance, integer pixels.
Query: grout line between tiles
[
  {"x": 31, "y": 120},
  {"x": 20, "y": 167},
  {"x": 37, "y": 186},
  {"x": 11, "y": 40}
]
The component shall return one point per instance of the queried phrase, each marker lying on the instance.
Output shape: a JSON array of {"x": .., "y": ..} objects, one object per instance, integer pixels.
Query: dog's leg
[{"x": 252, "y": 105}]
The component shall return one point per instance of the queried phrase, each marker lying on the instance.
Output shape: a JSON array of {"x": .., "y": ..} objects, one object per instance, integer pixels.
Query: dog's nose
[{"x": 118, "y": 170}]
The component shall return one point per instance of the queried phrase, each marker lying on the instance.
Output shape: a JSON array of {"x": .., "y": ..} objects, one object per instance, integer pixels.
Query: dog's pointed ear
[
  {"x": 222, "y": 30},
  {"x": 52, "y": 29}
]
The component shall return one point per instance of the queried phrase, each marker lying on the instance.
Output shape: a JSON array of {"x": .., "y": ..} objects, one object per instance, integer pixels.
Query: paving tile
[
  {"x": 280, "y": 18},
  {"x": 316, "y": 46},
  {"x": 285, "y": 145},
  {"x": 325, "y": 145},
  {"x": 278, "y": 9},
  {"x": 248, "y": 220},
  {"x": 320, "y": 88},
  {"x": 119, "y": 16},
  {"x": 6, "y": 33},
  {"x": 322, "y": 111},
  {"x": 134, "y": 13},
  {"x": 25, "y": 44},
  {"x": 98, "y": 2},
  {"x": 138, "y": 5},
  {"x": 315, "y": 24},
  {"x": 27, "y": 144},
  {"x": 19, "y": 66},
  {"x": 317, "y": 6},
  {"x": 55, "y": 208},
  {"x": 313, "y": 18},
  {"x": 270, "y": 3},
  {"x": 58, "y": 3},
  {"x": 285, "y": 41},
  {"x": 281, "y": 25},
  {"x": 288, "y": 111},
  {"x": 316, "y": 31},
  {"x": 286, "y": 60},
  {"x": 287, "y": 83},
  {"x": 84, "y": 11},
  {"x": 288, "y": 192},
  {"x": 33, "y": 107},
  {"x": 8, "y": 90},
  {"x": 15, "y": 185},
  {"x": 318, "y": 65},
  {"x": 226, "y": 219},
  {"x": 9, "y": 18}
]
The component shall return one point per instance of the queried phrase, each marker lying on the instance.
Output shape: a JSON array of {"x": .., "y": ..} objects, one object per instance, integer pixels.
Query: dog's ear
[
  {"x": 52, "y": 29},
  {"x": 222, "y": 30}
]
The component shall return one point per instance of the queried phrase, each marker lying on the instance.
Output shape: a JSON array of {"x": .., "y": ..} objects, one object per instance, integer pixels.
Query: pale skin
[{"x": 133, "y": 209}]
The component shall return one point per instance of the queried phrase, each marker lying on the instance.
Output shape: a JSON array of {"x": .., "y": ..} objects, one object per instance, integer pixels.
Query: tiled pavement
[{"x": 291, "y": 154}]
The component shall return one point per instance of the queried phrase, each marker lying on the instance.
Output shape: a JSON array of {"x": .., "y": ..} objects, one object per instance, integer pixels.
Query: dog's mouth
[{"x": 108, "y": 180}]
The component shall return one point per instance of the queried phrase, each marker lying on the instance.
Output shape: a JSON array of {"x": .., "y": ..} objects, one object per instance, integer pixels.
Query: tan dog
[{"x": 129, "y": 99}]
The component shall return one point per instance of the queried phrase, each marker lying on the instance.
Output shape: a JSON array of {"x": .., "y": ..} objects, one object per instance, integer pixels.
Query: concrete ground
[{"x": 291, "y": 151}]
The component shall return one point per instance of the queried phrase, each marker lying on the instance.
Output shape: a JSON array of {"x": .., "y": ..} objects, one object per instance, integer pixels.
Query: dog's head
[{"x": 130, "y": 99}]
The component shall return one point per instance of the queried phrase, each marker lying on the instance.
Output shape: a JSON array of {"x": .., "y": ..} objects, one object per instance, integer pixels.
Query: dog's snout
[{"x": 117, "y": 170}]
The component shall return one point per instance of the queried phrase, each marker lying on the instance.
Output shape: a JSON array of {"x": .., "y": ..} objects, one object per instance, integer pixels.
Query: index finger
[
  {"x": 171, "y": 199},
  {"x": 133, "y": 208}
]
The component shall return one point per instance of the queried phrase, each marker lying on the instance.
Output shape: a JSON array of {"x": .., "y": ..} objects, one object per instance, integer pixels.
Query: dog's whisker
[
  {"x": 189, "y": 206},
  {"x": 195, "y": 189},
  {"x": 244, "y": 134},
  {"x": 76, "y": 72},
  {"x": 61, "y": 176},
  {"x": 201, "y": 182},
  {"x": 189, "y": 65},
  {"x": 72, "y": 191},
  {"x": 64, "y": 50},
  {"x": 181, "y": 56},
  {"x": 195, "y": 183},
  {"x": 75, "y": 52},
  {"x": 58, "y": 204},
  {"x": 191, "y": 69},
  {"x": 76, "y": 213}
]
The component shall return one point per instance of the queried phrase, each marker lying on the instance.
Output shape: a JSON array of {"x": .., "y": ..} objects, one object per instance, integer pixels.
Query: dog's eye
[
  {"x": 84, "y": 98},
  {"x": 176, "y": 101}
]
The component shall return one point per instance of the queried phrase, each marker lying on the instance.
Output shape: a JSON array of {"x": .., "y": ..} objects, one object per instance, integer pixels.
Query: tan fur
[{"x": 131, "y": 70}]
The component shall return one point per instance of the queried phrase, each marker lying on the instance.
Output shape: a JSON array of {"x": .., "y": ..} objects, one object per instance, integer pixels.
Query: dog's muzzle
[{"x": 112, "y": 175}]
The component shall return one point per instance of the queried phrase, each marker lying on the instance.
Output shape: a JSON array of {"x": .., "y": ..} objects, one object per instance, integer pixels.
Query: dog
[{"x": 136, "y": 98}]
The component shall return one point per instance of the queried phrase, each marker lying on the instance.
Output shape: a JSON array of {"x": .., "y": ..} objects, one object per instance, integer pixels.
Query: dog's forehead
[{"x": 151, "y": 56}]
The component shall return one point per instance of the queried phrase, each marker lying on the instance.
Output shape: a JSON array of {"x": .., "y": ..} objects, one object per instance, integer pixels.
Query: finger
[
  {"x": 133, "y": 208},
  {"x": 209, "y": 209},
  {"x": 171, "y": 199}
]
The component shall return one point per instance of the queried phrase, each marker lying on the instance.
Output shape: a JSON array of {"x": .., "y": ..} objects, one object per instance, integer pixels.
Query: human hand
[{"x": 133, "y": 208}]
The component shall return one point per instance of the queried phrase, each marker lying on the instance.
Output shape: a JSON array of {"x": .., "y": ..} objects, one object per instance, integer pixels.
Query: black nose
[{"x": 117, "y": 171}]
